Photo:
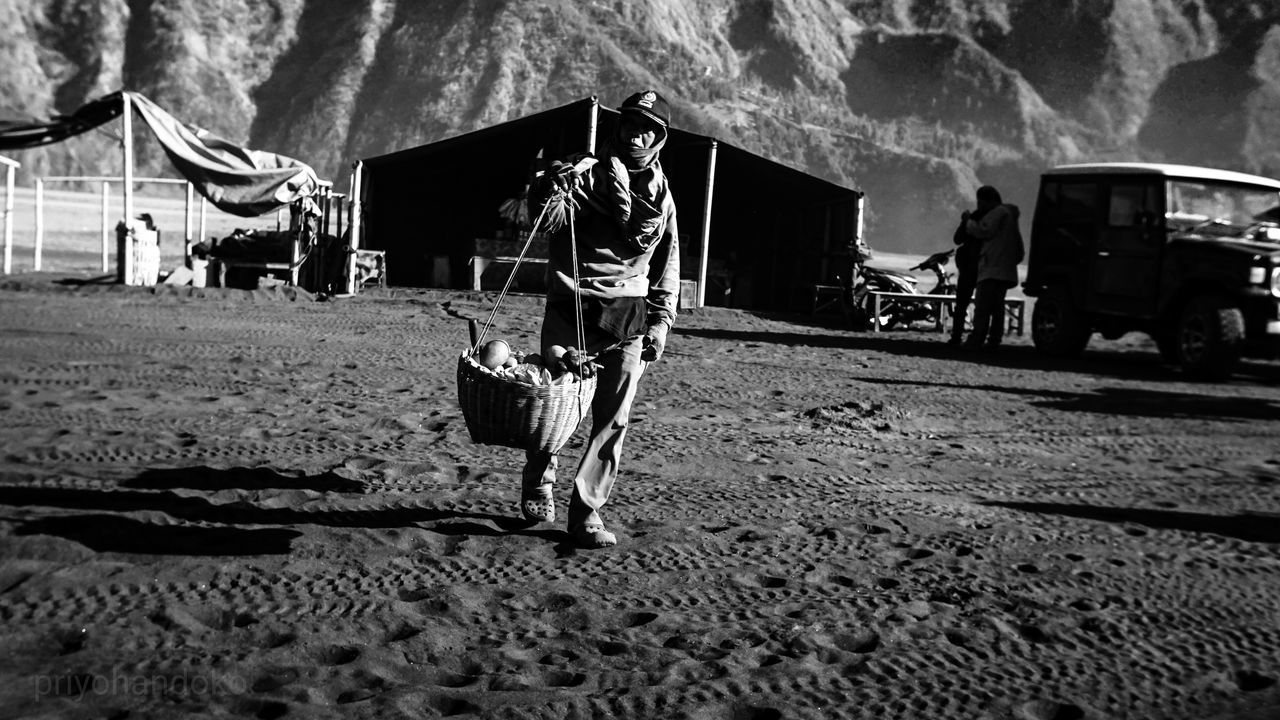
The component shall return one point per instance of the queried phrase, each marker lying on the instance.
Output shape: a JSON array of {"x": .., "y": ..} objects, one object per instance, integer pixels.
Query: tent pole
[
  {"x": 593, "y": 120},
  {"x": 356, "y": 173},
  {"x": 186, "y": 223},
  {"x": 39, "y": 221},
  {"x": 8, "y": 215},
  {"x": 706, "y": 225},
  {"x": 106, "y": 221},
  {"x": 127, "y": 118}
]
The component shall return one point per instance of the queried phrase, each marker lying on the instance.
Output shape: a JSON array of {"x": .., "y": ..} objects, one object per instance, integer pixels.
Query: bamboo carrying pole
[
  {"x": 706, "y": 225},
  {"x": 593, "y": 121}
]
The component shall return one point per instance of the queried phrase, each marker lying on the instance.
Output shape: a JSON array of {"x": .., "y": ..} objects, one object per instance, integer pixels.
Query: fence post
[
  {"x": 39, "y": 220},
  {"x": 8, "y": 217}
]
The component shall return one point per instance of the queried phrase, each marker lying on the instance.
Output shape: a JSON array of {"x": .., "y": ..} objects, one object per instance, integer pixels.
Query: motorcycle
[{"x": 895, "y": 312}]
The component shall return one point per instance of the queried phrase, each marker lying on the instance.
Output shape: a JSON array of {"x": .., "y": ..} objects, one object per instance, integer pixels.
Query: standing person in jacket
[
  {"x": 1002, "y": 250},
  {"x": 629, "y": 281},
  {"x": 968, "y": 249}
]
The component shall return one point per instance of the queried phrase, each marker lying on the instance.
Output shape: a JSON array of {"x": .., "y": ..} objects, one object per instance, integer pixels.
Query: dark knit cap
[
  {"x": 987, "y": 193},
  {"x": 649, "y": 104}
]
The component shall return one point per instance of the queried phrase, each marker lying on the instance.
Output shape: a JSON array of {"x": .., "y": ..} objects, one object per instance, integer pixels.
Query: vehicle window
[
  {"x": 1077, "y": 203},
  {"x": 1130, "y": 204},
  {"x": 1203, "y": 201}
]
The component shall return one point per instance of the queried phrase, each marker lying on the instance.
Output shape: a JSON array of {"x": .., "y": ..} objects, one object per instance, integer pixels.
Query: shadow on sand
[
  {"x": 1121, "y": 364},
  {"x": 1124, "y": 401},
  {"x": 114, "y": 533},
  {"x": 108, "y": 529},
  {"x": 1250, "y": 528}
]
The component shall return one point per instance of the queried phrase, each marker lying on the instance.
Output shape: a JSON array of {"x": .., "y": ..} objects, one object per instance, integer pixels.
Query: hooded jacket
[
  {"x": 1002, "y": 247},
  {"x": 628, "y": 247}
]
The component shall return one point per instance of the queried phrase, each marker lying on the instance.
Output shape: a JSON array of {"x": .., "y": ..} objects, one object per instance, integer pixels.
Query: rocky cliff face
[{"x": 915, "y": 102}]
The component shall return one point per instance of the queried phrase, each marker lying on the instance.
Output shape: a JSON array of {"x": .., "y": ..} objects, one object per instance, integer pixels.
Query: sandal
[
  {"x": 592, "y": 535},
  {"x": 538, "y": 505}
]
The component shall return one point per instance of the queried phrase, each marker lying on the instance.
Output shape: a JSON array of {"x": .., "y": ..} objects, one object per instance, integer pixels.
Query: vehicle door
[
  {"x": 1126, "y": 265},
  {"x": 1064, "y": 233}
]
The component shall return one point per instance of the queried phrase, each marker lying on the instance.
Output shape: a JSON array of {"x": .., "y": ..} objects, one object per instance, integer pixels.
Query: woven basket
[{"x": 514, "y": 414}]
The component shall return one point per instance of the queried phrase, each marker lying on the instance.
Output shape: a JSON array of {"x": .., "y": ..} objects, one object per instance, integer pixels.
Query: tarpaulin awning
[{"x": 237, "y": 180}]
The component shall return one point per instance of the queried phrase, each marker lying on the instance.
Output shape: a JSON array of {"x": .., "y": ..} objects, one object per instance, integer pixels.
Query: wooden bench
[{"x": 1013, "y": 308}]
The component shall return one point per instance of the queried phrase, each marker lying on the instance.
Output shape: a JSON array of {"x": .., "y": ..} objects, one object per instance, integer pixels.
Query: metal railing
[{"x": 107, "y": 181}]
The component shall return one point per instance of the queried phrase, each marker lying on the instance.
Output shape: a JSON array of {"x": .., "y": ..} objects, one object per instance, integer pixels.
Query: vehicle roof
[{"x": 1168, "y": 170}]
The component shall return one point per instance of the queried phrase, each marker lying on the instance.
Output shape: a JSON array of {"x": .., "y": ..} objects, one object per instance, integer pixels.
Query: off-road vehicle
[{"x": 1189, "y": 255}]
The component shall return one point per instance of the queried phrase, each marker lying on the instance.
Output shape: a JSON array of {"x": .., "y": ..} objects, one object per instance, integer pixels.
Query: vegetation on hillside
[{"x": 913, "y": 101}]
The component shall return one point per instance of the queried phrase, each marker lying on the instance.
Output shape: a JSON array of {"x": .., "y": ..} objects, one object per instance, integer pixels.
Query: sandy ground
[{"x": 234, "y": 504}]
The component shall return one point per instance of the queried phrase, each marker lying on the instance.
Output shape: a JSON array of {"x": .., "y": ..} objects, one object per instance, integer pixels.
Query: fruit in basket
[
  {"x": 533, "y": 359},
  {"x": 553, "y": 353},
  {"x": 494, "y": 353},
  {"x": 511, "y": 362},
  {"x": 572, "y": 360}
]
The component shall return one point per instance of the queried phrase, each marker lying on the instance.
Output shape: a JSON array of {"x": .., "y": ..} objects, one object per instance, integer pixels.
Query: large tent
[{"x": 754, "y": 233}]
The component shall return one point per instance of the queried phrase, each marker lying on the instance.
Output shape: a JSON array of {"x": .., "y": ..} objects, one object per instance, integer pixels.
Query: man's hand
[
  {"x": 565, "y": 177},
  {"x": 654, "y": 341},
  {"x": 965, "y": 215}
]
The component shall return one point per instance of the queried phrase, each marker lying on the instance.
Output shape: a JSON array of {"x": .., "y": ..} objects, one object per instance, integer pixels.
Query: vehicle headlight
[
  {"x": 1257, "y": 275},
  {"x": 1275, "y": 282}
]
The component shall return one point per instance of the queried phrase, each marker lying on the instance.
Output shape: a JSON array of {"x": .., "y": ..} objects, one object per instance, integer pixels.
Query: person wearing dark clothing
[
  {"x": 968, "y": 248},
  {"x": 628, "y": 282},
  {"x": 1002, "y": 250}
]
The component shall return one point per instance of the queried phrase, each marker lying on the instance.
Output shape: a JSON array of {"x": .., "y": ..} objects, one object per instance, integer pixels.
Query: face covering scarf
[{"x": 631, "y": 187}]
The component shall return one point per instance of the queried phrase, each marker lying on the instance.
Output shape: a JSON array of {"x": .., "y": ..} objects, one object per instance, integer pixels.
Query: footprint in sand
[
  {"x": 403, "y": 631},
  {"x": 608, "y": 648},
  {"x": 959, "y": 638},
  {"x": 272, "y": 639},
  {"x": 1252, "y": 681},
  {"x": 1048, "y": 710},
  {"x": 861, "y": 643},
  {"x": 451, "y": 706},
  {"x": 261, "y": 709},
  {"x": 337, "y": 655},
  {"x": 640, "y": 618},
  {"x": 273, "y": 679}
]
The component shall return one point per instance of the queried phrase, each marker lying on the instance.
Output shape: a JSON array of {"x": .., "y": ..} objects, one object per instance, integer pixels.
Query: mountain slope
[{"x": 914, "y": 101}]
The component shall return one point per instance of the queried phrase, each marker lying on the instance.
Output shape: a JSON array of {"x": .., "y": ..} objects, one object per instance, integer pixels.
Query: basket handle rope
[{"x": 577, "y": 298}]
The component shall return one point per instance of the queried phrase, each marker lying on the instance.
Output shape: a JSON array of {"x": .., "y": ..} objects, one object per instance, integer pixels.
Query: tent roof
[{"x": 734, "y": 164}]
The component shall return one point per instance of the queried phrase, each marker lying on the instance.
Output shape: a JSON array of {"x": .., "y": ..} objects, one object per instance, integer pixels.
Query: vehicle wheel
[
  {"x": 1208, "y": 338},
  {"x": 1058, "y": 328}
]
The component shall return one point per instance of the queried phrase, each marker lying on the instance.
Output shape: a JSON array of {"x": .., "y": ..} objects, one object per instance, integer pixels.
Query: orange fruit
[{"x": 494, "y": 353}]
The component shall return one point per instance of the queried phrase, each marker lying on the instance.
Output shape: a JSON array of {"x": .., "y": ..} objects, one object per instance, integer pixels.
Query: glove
[{"x": 653, "y": 343}]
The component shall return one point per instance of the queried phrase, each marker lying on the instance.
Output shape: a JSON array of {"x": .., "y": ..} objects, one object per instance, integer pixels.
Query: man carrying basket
[{"x": 628, "y": 284}]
